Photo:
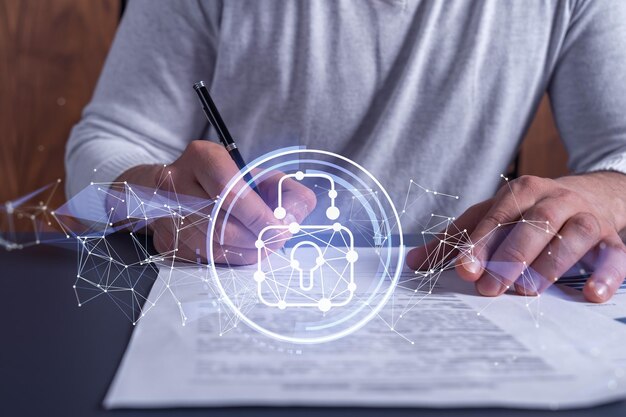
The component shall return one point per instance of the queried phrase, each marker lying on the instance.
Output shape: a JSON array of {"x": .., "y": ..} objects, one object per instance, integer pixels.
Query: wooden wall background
[
  {"x": 51, "y": 52},
  {"x": 542, "y": 153}
]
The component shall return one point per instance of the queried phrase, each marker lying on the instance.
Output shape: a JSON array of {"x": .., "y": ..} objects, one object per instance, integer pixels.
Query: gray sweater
[{"x": 440, "y": 92}]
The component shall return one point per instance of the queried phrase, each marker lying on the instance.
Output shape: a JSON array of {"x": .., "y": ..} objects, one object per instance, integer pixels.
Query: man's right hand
[{"x": 203, "y": 170}]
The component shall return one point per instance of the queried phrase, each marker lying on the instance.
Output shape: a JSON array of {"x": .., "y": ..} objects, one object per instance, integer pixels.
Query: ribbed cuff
[{"x": 616, "y": 163}]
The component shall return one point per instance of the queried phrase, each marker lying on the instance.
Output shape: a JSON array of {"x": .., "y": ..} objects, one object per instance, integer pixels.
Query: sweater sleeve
[
  {"x": 144, "y": 109},
  {"x": 588, "y": 87}
]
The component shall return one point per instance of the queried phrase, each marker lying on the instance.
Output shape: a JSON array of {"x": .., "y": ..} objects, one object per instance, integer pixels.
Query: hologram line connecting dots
[{"x": 101, "y": 271}]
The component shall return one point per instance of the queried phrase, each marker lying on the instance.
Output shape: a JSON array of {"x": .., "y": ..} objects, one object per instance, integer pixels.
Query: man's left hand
[{"x": 553, "y": 225}]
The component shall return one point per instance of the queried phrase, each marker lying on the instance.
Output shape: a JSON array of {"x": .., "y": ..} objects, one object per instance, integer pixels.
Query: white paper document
[{"x": 449, "y": 348}]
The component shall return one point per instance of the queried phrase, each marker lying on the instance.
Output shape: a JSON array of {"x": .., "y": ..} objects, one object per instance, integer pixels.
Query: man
[{"x": 446, "y": 88}]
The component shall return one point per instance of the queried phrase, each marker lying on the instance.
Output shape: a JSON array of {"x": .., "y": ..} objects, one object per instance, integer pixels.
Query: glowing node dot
[
  {"x": 295, "y": 264},
  {"x": 332, "y": 213},
  {"x": 332, "y": 194},
  {"x": 352, "y": 256},
  {"x": 336, "y": 227},
  {"x": 259, "y": 244},
  {"x": 282, "y": 304},
  {"x": 259, "y": 276},
  {"x": 280, "y": 213},
  {"x": 319, "y": 261},
  {"x": 324, "y": 304},
  {"x": 352, "y": 288},
  {"x": 294, "y": 228}
]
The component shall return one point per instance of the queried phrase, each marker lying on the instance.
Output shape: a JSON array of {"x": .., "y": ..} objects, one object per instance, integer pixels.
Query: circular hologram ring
[{"x": 331, "y": 322}]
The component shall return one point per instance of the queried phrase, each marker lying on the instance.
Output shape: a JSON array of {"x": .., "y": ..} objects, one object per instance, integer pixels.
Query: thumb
[{"x": 446, "y": 244}]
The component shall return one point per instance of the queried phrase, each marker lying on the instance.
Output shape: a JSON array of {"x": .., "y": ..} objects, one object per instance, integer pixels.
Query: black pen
[{"x": 210, "y": 110}]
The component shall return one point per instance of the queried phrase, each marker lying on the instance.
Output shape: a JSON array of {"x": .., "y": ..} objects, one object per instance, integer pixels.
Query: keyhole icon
[{"x": 306, "y": 265}]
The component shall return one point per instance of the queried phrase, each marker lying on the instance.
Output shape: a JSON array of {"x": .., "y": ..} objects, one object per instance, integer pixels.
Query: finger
[
  {"x": 180, "y": 182},
  {"x": 467, "y": 265},
  {"x": 183, "y": 242},
  {"x": 522, "y": 246},
  {"x": 444, "y": 245},
  {"x": 163, "y": 239},
  {"x": 297, "y": 199},
  {"x": 214, "y": 174},
  {"x": 609, "y": 272},
  {"x": 588, "y": 261},
  {"x": 230, "y": 255},
  {"x": 436, "y": 252},
  {"x": 510, "y": 202},
  {"x": 192, "y": 240},
  {"x": 189, "y": 245},
  {"x": 177, "y": 195},
  {"x": 245, "y": 256},
  {"x": 232, "y": 232},
  {"x": 577, "y": 237}
]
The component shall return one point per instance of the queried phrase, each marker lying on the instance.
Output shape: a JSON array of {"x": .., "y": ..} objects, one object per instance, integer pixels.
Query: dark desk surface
[{"x": 58, "y": 359}]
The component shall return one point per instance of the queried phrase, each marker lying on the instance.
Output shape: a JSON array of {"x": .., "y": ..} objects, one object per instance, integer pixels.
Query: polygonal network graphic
[{"x": 308, "y": 284}]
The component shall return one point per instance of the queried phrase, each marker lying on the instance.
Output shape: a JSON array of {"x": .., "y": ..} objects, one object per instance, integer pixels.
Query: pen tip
[{"x": 199, "y": 84}]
